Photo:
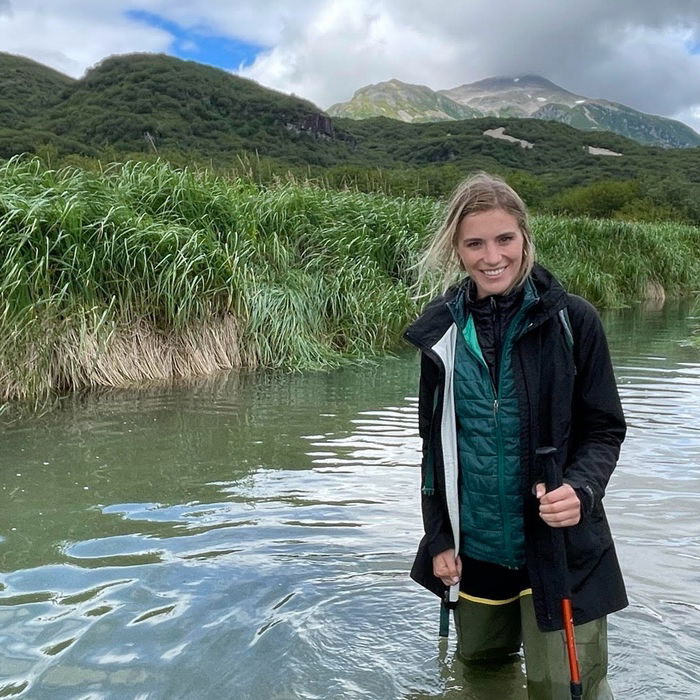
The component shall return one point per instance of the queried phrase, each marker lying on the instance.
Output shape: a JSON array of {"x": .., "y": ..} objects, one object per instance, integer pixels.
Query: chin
[{"x": 499, "y": 288}]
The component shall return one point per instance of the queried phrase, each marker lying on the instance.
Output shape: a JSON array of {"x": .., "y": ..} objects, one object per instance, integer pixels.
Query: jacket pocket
[{"x": 586, "y": 541}]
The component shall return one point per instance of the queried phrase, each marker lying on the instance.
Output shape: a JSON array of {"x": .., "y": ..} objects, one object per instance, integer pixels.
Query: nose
[{"x": 492, "y": 256}]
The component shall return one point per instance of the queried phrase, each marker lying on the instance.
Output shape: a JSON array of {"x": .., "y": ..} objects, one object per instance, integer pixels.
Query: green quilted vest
[{"x": 488, "y": 444}]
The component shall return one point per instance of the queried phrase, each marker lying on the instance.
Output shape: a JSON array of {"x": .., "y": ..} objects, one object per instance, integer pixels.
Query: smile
[{"x": 494, "y": 273}]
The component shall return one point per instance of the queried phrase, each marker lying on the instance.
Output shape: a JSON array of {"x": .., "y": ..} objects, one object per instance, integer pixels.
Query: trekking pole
[{"x": 553, "y": 480}]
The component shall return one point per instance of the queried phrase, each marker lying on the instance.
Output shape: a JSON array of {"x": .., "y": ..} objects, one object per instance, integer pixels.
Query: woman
[{"x": 510, "y": 362}]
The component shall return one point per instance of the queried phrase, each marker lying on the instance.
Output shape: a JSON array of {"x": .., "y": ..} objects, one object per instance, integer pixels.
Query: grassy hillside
[
  {"x": 189, "y": 112},
  {"x": 27, "y": 88},
  {"x": 147, "y": 102},
  {"x": 557, "y": 148},
  {"x": 149, "y": 272}
]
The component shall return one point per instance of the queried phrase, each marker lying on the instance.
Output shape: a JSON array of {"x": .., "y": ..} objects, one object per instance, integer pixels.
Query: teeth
[{"x": 493, "y": 273}]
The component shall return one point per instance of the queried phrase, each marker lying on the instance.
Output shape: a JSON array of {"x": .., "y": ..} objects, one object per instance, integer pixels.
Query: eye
[
  {"x": 472, "y": 244},
  {"x": 506, "y": 239}
]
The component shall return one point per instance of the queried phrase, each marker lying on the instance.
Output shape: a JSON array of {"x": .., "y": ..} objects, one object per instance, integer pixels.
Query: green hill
[
  {"x": 27, "y": 88},
  {"x": 145, "y": 102},
  {"x": 146, "y": 105},
  {"x": 555, "y": 147}
]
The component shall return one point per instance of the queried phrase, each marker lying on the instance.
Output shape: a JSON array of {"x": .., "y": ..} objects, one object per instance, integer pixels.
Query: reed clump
[
  {"x": 616, "y": 263},
  {"x": 148, "y": 272},
  {"x": 143, "y": 271}
]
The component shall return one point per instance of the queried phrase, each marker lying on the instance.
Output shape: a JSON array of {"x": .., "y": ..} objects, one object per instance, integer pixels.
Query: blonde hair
[{"x": 478, "y": 193}]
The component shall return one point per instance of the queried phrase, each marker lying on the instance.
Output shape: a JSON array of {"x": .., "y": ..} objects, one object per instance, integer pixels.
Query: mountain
[
  {"x": 143, "y": 105},
  {"x": 397, "y": 100},
  {"x": 526, "y": 96},
  {"x": 512, "y": 97},
  {"x": 151, "y": 102}
]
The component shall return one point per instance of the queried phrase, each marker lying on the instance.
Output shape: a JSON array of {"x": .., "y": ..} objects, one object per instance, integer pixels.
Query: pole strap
[{"x": 444, "y": 620}]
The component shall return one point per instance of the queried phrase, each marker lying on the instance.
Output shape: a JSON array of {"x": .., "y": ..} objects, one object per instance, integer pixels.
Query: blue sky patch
[
  {"x": 199, "y": 44},
  {"x": 693, "y": 46}
]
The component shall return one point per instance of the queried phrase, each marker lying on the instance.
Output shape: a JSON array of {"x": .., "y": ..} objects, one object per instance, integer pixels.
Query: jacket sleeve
[
  {"x": 598, "y": 424},
  {"x": 438, "y": 534}
]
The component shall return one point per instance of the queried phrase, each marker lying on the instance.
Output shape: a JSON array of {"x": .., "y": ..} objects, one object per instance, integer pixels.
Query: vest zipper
[
  {"x": 507, "y": 343},
  {"x": 500, "y": 453}
]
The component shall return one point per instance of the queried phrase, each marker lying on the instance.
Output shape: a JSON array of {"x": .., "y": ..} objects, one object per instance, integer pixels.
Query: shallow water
[{"x": 249, "y": 536}]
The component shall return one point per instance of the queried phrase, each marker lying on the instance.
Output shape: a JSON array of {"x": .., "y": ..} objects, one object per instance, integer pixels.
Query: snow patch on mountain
[
  {"x": 499, "y": 133},
  {"x": 595, "y": 151}
]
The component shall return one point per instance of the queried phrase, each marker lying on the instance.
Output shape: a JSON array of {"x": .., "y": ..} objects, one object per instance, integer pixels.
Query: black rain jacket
[{"x": 568, "y": 399}]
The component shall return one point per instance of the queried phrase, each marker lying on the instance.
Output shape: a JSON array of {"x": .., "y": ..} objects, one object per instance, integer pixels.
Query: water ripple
[{"x": 250, "y": 536}]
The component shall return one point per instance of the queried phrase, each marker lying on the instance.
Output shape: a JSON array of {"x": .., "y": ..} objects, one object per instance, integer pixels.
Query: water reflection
[{"x": 248, "y": 535}]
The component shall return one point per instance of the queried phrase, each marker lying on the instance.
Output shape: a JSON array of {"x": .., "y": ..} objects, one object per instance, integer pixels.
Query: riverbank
[{"x": 147, "y": 272}]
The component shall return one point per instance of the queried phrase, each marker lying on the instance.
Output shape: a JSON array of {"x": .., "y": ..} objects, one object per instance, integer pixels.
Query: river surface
[{"x": 249, "y": 536}]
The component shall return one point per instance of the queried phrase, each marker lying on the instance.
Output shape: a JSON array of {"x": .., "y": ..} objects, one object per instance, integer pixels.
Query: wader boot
[{"x": 489, "y": 630}]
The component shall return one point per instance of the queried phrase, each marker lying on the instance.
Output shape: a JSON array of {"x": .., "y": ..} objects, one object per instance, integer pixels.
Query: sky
[{"x": 642, "y": 53}]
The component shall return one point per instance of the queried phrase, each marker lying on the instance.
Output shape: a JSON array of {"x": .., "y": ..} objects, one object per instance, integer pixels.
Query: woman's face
[{"x": 490, "y": 246}]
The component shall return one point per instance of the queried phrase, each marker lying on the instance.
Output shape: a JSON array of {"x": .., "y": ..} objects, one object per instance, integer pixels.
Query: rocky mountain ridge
[{"x": 526, "y": 96}]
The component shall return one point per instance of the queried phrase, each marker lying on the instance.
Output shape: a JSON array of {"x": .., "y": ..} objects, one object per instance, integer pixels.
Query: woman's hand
[
  {"x": 447, "y": 567},
  {"x": 559, "y": 508}
]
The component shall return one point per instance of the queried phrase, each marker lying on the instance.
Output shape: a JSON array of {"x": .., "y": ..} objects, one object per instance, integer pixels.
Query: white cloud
[
  {"x": 73, "y": 35},
  {"x": 634, "y": 52},
  {"x": 348, "y": 44},
  {"x": 631, "y": 51},
  {"x": 264, "y": 22},
  {"x": 188, "y": 45},
  {"x": 689, "y": 116}
]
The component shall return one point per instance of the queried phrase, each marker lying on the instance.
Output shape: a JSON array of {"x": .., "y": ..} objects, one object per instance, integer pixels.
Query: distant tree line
[{"x": 647, "y": 198}]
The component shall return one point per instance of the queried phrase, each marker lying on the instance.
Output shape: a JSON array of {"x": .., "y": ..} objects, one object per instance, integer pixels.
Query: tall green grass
[
  {"x": 616, "y": 263},
  {"x": 145, "y": 272}
]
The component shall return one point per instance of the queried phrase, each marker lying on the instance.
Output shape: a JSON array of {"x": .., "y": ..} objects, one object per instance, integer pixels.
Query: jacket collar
[{"x": 436, "y": 318}]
